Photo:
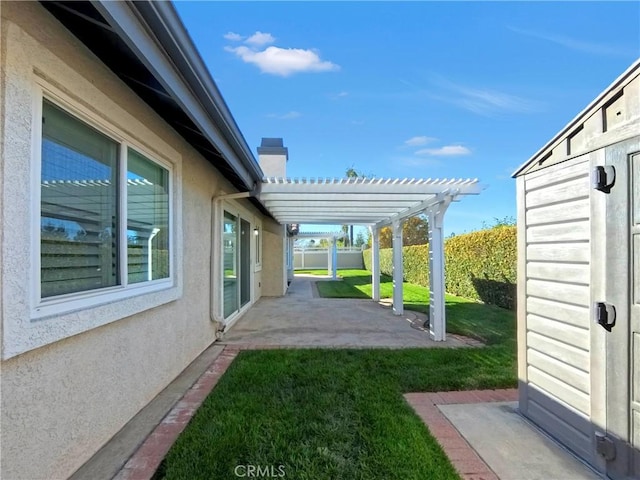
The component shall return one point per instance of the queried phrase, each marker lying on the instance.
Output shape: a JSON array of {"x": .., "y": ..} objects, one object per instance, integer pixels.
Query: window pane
[
  {"x": 230, "y": 263},
  {"x": 147, "y": 219},
  {"x": 78, "y": 239}
]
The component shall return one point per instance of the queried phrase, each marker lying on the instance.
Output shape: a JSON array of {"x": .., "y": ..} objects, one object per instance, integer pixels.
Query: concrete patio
[{"x": 302, "y": 319}]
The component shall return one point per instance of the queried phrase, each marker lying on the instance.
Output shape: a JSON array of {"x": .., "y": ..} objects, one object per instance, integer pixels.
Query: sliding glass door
[
  {"x": 236, "y": 252},
  {"x": 230, "y": 256}
]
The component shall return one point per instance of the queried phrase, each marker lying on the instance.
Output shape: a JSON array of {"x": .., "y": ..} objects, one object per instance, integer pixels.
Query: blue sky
[{"x": 413, "y": 89}]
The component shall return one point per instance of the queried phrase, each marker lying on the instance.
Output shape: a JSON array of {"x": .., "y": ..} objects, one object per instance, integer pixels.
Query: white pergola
[
  {"x": 376, "y": 203},
  {"x": 332, "y": 252}
]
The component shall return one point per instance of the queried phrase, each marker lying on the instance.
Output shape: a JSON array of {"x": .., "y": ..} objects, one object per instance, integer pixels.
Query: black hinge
[
  {"x": 605, "y": 446},
  {"x": 603, "y": 178},
  {"x": 605, "y": 315}
]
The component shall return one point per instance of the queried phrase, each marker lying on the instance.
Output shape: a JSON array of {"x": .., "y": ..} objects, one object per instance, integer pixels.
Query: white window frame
[
  {"x": 217, "y": 265},
  {"x": 41, "y": 308}
]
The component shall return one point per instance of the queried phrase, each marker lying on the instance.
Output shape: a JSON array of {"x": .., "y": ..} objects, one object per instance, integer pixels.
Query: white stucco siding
[
  {"x": 557, "y": 282},
  {"x": 62, "y": 401}
]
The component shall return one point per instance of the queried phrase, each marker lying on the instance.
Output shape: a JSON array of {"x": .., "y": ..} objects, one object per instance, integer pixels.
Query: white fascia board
[
  {"x": 125, "y": 22},
  {"x": 331, "y": 219},
  {"x": 273, "y": 204},
  {"x": 377, "y": 189}
]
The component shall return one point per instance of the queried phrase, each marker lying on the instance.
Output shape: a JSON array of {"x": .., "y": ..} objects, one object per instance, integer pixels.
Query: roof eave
[
  {"x": 578, "y": 118},
  {"x": 142, "y": 24}
]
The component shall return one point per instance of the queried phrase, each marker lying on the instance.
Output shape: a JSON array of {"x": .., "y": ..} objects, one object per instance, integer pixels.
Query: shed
[{"x": 578, "y": 201}]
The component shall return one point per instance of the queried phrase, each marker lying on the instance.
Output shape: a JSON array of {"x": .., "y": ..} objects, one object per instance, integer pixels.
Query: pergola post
[
  {"x": 334, "y": 254},
  {"x": 398, "y": 274},
  {"x": 375, "y": 264},
  {"x": 437, "y": 315}
]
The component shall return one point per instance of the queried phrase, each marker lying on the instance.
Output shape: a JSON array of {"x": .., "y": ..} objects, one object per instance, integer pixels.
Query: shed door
[
  {"x": 623, "y": 291},
  {"x": 634, "y": 314}
]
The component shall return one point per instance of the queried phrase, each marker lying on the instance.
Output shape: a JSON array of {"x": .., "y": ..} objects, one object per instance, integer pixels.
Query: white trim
[
  {"x": 123, "y": 196},
  {"x": 230, "y": 205},
  {"x": 35, "y": 214}
]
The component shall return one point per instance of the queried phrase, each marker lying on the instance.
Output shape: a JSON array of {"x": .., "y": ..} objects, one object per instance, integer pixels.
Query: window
[
  {"x": 257, "y": 236},
  {"x": 104, "y": 210}
]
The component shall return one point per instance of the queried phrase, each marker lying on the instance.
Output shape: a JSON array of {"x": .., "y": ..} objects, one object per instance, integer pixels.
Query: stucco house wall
[
  {"x": 273, "y": 274},
  {"x": 63, "y": 399}
]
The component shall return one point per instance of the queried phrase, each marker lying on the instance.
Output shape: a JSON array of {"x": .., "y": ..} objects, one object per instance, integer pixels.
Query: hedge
[{"x": 479, "y": 265}]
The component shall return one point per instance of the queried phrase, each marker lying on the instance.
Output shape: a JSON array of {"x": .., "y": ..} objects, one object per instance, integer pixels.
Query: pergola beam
[
  {"x": 367, "y": 186},
  {"x": 375, "y": 203},
  {"x": 341, "y": 197}
]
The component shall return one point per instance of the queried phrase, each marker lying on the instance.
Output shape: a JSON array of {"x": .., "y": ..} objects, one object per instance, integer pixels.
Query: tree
[
  {"x": 360, "y": 240},
  {"x": 415, "y": 231},
  {"x": 351, "y": 172},
  {"x": 507, "y": 221}
]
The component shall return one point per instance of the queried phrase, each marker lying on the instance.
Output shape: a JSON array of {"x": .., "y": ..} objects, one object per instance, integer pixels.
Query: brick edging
[
  {"x": 147, "y": 458},
  {"x": 464, "y": 458}
]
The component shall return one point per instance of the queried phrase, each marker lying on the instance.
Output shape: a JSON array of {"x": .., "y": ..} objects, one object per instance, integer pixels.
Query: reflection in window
[
  {"x": 79, "y": 241},
  {"x": 81, "y": 220},
  {"x": 147, "y": 219},
  {"x": 230, "y": 263}
]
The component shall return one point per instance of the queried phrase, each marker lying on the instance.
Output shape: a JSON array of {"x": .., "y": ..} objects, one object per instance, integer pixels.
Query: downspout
[{"x": 216, "y": 317}]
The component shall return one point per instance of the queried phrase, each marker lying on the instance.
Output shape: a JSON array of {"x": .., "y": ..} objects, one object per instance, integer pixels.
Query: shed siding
[{"x": 557, "y": 314}]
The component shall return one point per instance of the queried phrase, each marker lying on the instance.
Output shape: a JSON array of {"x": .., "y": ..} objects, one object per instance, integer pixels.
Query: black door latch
[
  {"x": 603, "y": 178},
  {"x": 605, "y": 315}
]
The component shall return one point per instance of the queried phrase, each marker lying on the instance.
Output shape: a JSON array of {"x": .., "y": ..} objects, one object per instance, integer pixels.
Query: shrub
[{"x": 479, "y": 265}]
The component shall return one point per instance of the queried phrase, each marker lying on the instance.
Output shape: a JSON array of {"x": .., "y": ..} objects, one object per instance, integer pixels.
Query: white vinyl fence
[{"x": 319, "y": 258}]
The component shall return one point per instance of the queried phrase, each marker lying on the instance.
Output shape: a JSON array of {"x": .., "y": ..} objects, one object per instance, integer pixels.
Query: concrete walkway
[
  {"x": 486, "y": 438},
  {"x": 302, "y": 319}
]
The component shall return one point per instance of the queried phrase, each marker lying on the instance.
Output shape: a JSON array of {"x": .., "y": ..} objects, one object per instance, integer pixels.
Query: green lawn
[{"x": 339, "y": 414}]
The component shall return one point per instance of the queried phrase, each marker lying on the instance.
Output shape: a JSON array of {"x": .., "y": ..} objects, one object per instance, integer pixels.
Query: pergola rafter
[{"x": 375, "y": 203}]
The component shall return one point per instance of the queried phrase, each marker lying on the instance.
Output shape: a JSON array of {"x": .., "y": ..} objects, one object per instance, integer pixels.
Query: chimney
[{"x": 273, "y": 157}]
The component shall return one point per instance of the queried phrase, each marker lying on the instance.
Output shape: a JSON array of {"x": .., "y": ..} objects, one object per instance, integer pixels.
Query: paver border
[
  {"x": 464, "y": 458},
  {"x": 145, "y": 461}
]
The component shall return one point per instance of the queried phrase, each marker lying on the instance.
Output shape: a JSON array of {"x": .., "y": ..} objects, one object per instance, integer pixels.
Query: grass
[
  {"x": 493, "y": 325},
  {"x": 339, "y": 414}
]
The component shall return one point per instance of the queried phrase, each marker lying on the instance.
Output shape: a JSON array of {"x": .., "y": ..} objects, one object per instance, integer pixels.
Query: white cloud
[
  {"x": 418, "y": 141},
  {"x": 576, "y": 44},
  {"x": 258, "y": 39},
  {"x": 337, "y": 96},
  {"x": 285, "y": 116},
  {"x": 234, "y": 37},
  {"x": 283, "y": 61},
  {"x": 446, "y": 151},
  {"x": 483, "y": 101}
]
